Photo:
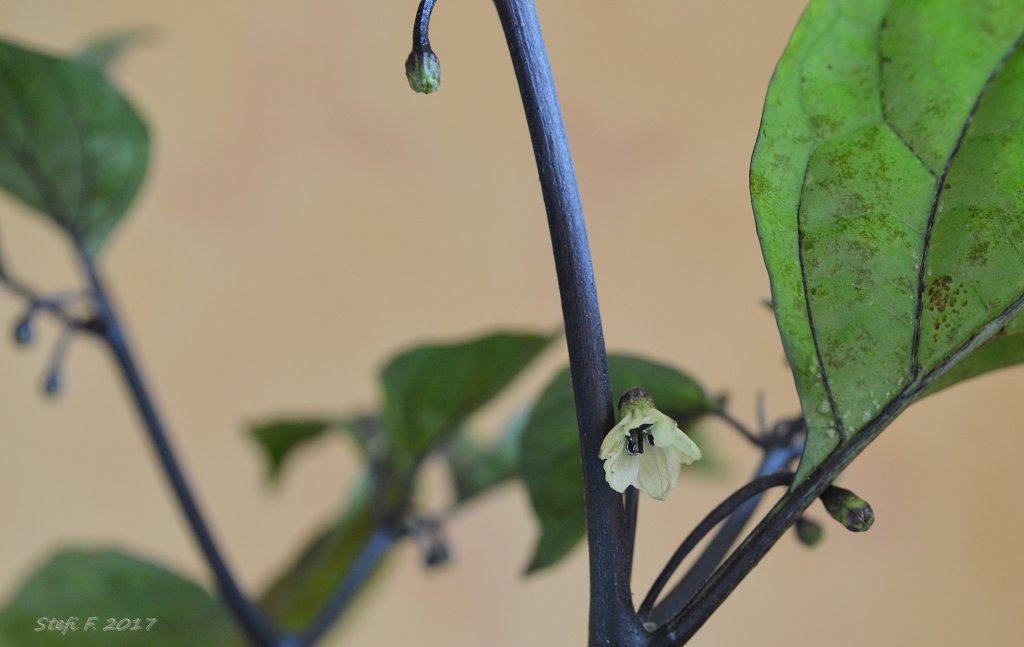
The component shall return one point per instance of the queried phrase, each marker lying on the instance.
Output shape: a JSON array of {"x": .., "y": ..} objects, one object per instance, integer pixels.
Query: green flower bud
[
  {"x": 848, "y": 509},
  {"x": 423, "y": 70},
  {"x": 808, "y": 532}
]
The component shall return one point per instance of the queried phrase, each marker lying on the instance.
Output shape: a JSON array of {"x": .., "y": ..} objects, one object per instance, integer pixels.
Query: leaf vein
[
  {"x": 810, "y": 316},
  {"x": 915, "y": 360},
  {"x": 881, "y": 100}
]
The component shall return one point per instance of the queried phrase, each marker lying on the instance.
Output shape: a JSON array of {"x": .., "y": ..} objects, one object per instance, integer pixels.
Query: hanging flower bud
[
  {"x": 423, "y": 69},
  {"x": 847, "y": 508},
  {"x": 23, "y": 331}
]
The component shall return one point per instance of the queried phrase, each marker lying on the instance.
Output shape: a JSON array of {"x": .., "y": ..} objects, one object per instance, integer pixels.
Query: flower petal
[
  {"x": 664, "y": 429},
  {"x": 621, "y": 471},
  {"x": 613, "y": 444},
  {"x": 658, "y": 473},
  {"x": 687, "y": 449}
]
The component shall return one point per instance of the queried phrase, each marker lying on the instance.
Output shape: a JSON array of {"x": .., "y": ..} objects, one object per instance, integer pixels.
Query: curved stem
[
  {"x": 612, "y": 619},
  {"x": 252, "y": 619},
  {"x": 775, "y": 459},
  {"x": 785, "y": 513},
  {"x": 723, "y": 510},
  {"x": 421, "y": 28}
]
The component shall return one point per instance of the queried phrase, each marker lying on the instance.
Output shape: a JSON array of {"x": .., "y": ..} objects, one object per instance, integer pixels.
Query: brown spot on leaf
[
  {"x": 939, "y": 298},
  {"x": 978, "y": 254},
  {"x": 938, "y": 293}
]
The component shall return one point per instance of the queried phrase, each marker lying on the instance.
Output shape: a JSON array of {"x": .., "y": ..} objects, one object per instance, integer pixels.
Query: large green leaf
[
  {"x": 550, "y": 459},
  {"x": 429, "y": 391},
  {"x": 70, "y": 145},
  {"x": 95, "y": 586},
  {"x": 886, "y": 186}
]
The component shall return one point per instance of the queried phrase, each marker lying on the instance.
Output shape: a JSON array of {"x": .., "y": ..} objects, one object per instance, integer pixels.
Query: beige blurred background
[{"x": 306, "y": 215}]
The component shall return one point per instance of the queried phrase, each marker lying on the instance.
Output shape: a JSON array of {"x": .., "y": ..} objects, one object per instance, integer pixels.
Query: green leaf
[
  {"x": 477, "y": 468},
  {"x": 551, "y": 465},
  {"x": 886, "y": 187},
  {"x": 107, "y": 584},
  {"x": 102, "y": 52},
  {"x": 1005, "y": 348},
  {"x": 70, "y": 145},
  {"x": 298, "y": 594},
  {"x": 429, "y": 391},
  {"x": 280, "y": 438}
]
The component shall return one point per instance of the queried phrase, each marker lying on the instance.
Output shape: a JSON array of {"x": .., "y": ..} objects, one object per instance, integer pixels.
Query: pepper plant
[{"x": 886, "y": 189}]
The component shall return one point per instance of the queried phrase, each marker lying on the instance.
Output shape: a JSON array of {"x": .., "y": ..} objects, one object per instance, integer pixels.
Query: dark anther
[
  {"x": 635, "y": 439},
  {"x": 633, "y": 446}
]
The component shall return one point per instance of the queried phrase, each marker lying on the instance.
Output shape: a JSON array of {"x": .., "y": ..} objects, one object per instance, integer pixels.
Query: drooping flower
[{"x": 646, "y": 448}]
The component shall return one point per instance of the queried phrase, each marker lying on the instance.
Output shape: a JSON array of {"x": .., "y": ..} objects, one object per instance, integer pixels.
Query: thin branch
[
  {"x": 775, "y": 459},
  {"x": 373, "y": 551},
  {"x": 684, "y": 624},
  {"x": 740, "y": 427},
  {"x": 722, "y": 511},
  {"x": 253, "y": 621},
  {"x": 36, "y": 301},
  {"x": 612, "y": 618},
  {"x": 631, "y": 499}
]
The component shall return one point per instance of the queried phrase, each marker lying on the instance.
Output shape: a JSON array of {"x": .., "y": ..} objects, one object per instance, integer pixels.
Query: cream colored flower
[{"x": 646, "y": 448}]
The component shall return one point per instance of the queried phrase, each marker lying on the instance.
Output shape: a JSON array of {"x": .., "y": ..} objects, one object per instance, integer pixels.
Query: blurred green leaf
[
  {"x": 298, "y": 594},
  {"x": 108, "y": 584},
  {"x": 551, "y": 465},
  {"x": 886, "y": 187},
  {"x": 280, "y": 438},
  {"x": 477, "y": 468},
  {"x": 429, "y": 391},
  {"x": 70, "y": 145},
  {"x": 102, "y": 52}
]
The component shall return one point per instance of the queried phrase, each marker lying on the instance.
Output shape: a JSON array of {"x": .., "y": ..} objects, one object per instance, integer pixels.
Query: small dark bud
[
  {"x": 809, "y": 532},
  {"x": 53, "y": 385},
  {"x": 847, "y": 508},
  {"x": 429, "y": 535},
  {"x": 423, "y": 70},
  {"x": 23, "y": 332},
  {"x": 437, "y": 554}
]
